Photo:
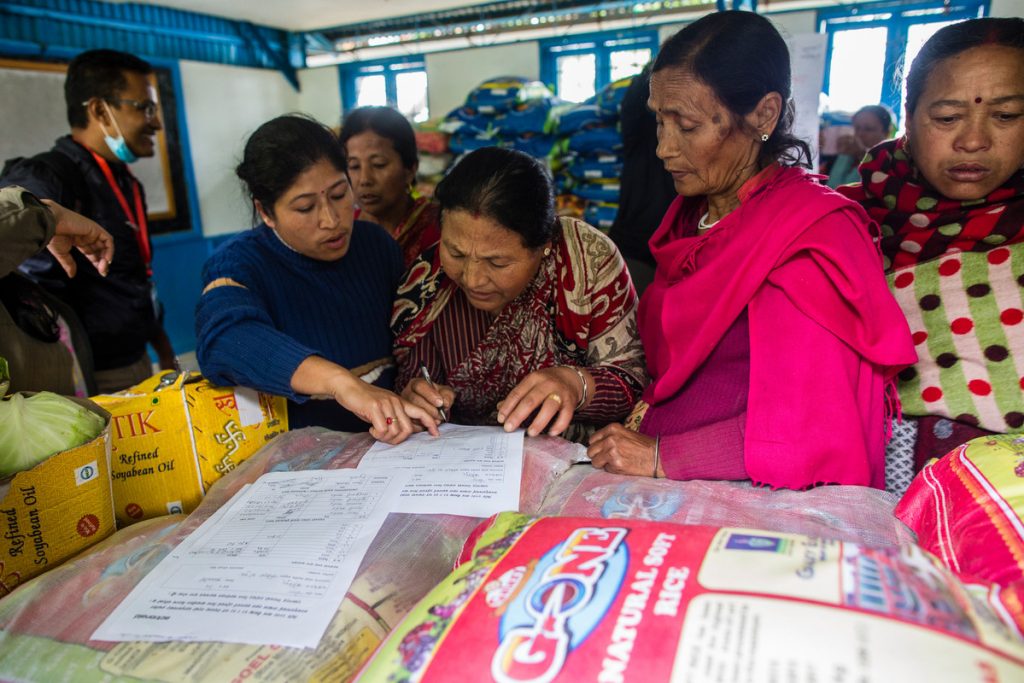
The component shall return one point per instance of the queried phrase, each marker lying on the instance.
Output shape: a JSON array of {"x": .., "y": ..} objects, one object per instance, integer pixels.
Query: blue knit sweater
[{"x": 290, "y": 307}]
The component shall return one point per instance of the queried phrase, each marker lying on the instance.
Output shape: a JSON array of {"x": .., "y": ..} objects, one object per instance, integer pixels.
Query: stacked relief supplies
[
  {"x": 434, "y": 156},
  {"x": 589, "y": 160},
  {"x": 507, "y": 111}
]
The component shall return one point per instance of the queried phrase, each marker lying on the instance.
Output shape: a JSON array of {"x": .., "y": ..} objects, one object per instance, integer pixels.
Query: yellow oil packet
[
  {"x": 56, "y": 509},
  {"x": 175, "y": 434}
]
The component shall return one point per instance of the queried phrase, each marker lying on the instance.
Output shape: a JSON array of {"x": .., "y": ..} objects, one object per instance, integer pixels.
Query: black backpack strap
[{"x": 71, "y": 178}]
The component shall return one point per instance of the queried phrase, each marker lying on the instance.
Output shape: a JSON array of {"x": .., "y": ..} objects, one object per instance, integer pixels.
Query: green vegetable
[
  {"x": 5, "y": 377},
  {"x": 32, "y": 429}
]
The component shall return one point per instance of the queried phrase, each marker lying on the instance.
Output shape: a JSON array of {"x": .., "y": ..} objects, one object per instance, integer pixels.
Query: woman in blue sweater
[{"x": 299, "y": 306}]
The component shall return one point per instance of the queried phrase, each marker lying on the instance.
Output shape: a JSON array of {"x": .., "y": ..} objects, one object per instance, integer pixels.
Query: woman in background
[
  {"x": 871, "y": 125},
  {"x": 769, "y": 332},
  {"x": 382, "y": 162},
  {"x": 520, "y": 318},
  {"x": 299, "y": 305},
  {"x": 949, "y": 197}
]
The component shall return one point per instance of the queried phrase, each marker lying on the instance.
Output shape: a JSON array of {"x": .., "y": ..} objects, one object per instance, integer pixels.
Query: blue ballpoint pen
[{"x": 426, "y": 375}]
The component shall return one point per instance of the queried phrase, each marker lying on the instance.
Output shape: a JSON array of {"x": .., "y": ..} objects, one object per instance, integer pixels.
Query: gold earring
[{"x": 547, "y": 251}]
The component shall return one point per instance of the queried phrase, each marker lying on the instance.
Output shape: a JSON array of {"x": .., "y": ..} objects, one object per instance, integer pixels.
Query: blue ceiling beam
[
  {"x": 60, "y": 27},
  {"x": 16, "y": 9},
  {"x": 281, "y": 59}
]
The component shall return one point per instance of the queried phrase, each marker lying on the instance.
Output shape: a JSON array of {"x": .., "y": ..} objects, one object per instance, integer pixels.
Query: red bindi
[{"x": 977, "y": 100}]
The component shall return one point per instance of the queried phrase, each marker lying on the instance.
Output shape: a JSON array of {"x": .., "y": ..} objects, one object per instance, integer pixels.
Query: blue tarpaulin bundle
[
  {"x": 585, "y": 115},
  {"x": 609, "y": 100},
  {"x": 596, "y": 141},
  {"x": 601, "y": 214},
  {"x": 506, "y": 111},
  {"x": 597, "y": 168},
  {"x": 598, "y": 190}
]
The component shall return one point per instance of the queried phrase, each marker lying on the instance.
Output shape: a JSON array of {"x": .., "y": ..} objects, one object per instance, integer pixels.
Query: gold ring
[{"x": 556, "y": 398}]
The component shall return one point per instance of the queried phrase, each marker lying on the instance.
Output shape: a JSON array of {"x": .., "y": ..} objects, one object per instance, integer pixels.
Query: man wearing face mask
[{"x": 114, "y": 117}]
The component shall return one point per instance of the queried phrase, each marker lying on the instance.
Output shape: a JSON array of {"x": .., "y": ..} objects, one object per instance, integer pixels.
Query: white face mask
[{"x": 117, "y": 145}]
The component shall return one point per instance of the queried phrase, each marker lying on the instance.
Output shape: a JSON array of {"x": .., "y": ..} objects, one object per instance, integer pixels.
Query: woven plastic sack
[
  {"x": 599, "y": 190},
  {"x": 431, "y": 142},
  {"x": 579, "y": 117},
  {"x": 570, "y": 599},
  {"x": 536, "y": 145},
  {"x": 595, "y": 141},
  {"x": 46, "y": 623},
  {"x": 601, "y": 168},
  {"x": 847, "y": 513},
  {"x": 466, "y": 120},
  {"x": 528, "y": 117},
  {"x": 968, "y": 508},
  {"x": 502, "y": 93},
  {"x": 609, "y": 100},
  {"x": 601, "y": 214},
  {"x": 462, "y": 143}
]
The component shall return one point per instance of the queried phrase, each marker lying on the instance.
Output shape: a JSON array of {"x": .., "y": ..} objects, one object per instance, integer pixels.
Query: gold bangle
[
  {"x": 583, "y": 381},
  {"x": 657, "y": 455}
]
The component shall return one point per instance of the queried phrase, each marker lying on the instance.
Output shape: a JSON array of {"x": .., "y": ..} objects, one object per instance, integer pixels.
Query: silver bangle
[
  {"x": 657, "y": 455},
  {"x": 583, "y": 381}
]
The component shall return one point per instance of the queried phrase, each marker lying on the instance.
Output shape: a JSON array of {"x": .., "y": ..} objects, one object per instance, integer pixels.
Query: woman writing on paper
[{"x": 521, "y": 318}]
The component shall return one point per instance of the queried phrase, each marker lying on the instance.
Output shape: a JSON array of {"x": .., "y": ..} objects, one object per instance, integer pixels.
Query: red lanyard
[{"x": 137, "y": 219}]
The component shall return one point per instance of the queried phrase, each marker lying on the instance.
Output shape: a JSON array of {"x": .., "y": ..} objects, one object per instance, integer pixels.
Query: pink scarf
[{"x": 826, "y": 336}]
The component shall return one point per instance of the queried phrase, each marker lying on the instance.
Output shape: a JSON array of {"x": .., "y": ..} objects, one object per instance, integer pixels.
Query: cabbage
[{"x": 32, "y": 429}]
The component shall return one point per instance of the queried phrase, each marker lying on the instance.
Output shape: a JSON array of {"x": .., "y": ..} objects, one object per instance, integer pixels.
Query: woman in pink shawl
[{"x": 769, "y": 331}]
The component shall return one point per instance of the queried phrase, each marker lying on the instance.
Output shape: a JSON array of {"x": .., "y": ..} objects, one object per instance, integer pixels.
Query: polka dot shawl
[
  {"x": 918, "y": 224},
  {"x": 966, "y": 316}
]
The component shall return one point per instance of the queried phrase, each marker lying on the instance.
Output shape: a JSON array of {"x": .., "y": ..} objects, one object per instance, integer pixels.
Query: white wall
[
  {"x": 1007, "y": 8},
  {"x": 321, "y": 94},
  {"x": 788, "y": 23},
  {"x": 452, "y": 75},
  {"x": 224, "y": 105}
]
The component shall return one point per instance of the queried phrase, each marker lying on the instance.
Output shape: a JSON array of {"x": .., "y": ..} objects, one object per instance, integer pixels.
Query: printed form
[
  {"x": 271, "y": 567},
  {"x": 471, "y": 471}
]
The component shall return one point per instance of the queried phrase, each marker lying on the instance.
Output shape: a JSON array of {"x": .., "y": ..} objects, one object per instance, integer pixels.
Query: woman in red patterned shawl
[
  {"x": 520, "y": 318},
  {"x": 380, "y": 148}
]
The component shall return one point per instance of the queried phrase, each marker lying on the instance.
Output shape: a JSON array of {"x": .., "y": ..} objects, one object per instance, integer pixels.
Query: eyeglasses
[{"x": 148, "y": 108}]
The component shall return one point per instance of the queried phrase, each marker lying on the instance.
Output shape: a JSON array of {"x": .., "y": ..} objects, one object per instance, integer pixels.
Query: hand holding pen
[
  {"x": 426, "y": 375},
  {"x": 429, "y": 396}
]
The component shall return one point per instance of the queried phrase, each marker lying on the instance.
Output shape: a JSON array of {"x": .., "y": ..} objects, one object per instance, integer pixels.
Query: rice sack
[{"x": 571, "y": 599}]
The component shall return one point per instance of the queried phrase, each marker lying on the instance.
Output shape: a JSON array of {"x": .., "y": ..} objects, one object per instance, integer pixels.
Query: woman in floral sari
[{"x": 518, "y": 317}]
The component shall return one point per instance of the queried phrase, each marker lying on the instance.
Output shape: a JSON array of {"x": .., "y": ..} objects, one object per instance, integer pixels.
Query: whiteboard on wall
[{"x": 34, "y": 115}]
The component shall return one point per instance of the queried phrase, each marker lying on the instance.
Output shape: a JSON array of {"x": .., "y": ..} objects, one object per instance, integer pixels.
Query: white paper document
[
  {"x": 269, "y": 568},
  {"x": 472, "y": 471}
]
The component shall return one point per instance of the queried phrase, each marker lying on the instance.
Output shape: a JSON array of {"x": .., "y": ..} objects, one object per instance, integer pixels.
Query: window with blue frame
[
  {"x": 399, "y": 83},
  {"x": 577, "y": 67},
  {"x": 871, "y": 46}
]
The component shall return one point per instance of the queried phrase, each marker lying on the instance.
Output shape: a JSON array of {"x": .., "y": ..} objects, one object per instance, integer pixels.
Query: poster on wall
[
  {"x": 807, "y": 53},
  {"x": 34, "y": 116}
]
